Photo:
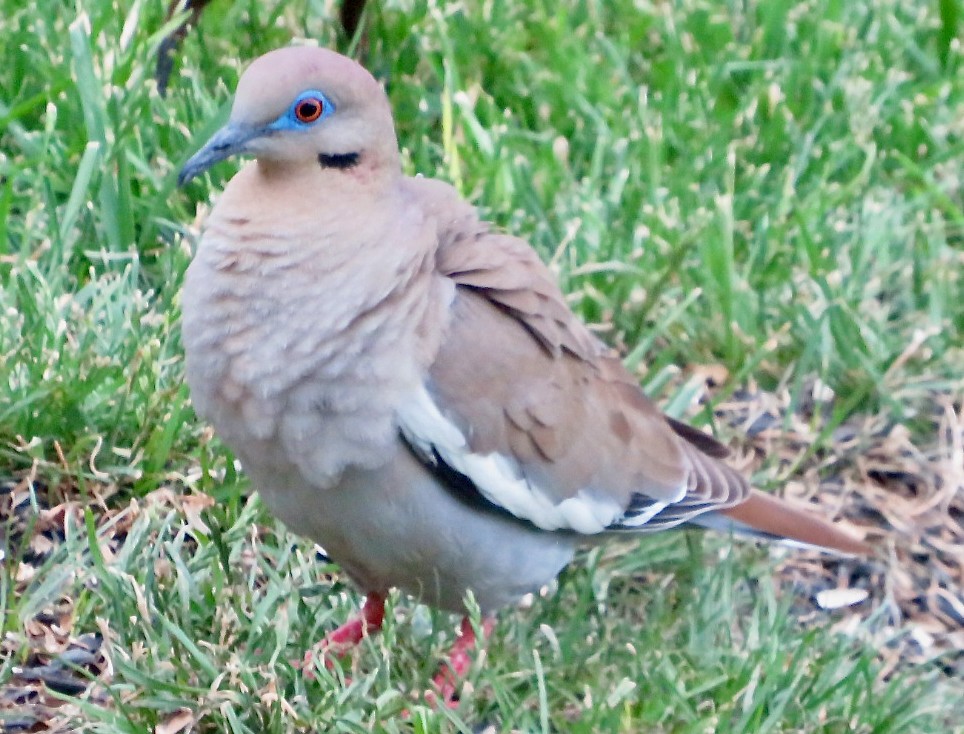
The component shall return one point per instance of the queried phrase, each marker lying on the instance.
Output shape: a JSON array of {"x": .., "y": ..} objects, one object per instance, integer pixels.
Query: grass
[{"x": 771, "y": 189}]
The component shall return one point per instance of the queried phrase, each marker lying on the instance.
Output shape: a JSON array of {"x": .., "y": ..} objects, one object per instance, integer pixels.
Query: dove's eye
[{"x": 309, "y": 109}]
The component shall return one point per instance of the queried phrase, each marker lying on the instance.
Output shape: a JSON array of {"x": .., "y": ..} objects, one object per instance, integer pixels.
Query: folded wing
[{"x": 527, "y": 407}]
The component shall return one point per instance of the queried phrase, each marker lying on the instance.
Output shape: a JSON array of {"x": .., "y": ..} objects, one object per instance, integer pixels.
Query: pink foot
[
  {"x": 340, "y": 641},
  {"x": 452, "y": 671}
]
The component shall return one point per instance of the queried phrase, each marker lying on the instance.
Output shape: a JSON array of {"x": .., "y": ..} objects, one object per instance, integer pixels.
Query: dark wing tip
[{"x": 703, "y": 441}]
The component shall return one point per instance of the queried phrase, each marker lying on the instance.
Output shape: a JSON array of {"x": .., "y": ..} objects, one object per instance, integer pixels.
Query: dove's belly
[{"x": 396, "y": 526}]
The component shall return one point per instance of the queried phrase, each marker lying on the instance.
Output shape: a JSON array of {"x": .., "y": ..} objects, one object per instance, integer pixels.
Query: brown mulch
[
  {"x": 58, "y": 661},
  {"x": 906, "y": 497}
]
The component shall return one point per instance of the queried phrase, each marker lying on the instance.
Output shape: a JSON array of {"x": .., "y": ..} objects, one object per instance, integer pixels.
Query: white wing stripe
[
  {"x": 498, "y": 477},
  {"x": 641, "y": 518}
]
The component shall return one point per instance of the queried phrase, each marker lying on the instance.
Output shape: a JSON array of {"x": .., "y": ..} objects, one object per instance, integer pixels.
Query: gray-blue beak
[{"x": 228, "y": 141}]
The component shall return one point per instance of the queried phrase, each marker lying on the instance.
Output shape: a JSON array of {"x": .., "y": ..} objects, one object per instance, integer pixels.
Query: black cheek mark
[{"x": 341, "y": 161}]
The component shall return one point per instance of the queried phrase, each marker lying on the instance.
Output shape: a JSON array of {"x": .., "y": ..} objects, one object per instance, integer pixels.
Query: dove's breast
[{"x": 298, "y": 347}]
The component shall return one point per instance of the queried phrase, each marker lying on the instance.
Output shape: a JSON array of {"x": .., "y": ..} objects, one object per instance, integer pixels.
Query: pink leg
[
  {"x": 340, "y": 641},
  {"x": 452, "y": 671}
]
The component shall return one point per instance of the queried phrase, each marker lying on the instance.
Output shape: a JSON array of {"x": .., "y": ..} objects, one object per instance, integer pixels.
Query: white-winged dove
[{"x": 406, "y": 386}]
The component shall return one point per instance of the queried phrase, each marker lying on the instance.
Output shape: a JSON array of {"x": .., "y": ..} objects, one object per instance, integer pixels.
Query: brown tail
[{"x": 775, "y": 517}]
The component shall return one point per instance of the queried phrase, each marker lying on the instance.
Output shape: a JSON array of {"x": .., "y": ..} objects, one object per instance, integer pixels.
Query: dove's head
[{"x": 305, "y": 108}]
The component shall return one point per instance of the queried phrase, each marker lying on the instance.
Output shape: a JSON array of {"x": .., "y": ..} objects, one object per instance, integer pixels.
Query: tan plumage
[{"x": 408, "y": 387}]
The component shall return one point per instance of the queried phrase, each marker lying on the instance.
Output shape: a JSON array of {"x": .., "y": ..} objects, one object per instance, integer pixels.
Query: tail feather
[{"x": 764, "y": 515}]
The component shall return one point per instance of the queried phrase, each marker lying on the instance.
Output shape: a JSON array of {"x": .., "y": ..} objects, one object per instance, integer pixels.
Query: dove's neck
[
  {"x": 279, "y": 198},
  {"x": 314, "y": 254}
]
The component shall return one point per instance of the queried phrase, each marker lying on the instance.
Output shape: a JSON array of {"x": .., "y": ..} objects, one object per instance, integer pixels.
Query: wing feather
[{"x": 536, "y": 412}]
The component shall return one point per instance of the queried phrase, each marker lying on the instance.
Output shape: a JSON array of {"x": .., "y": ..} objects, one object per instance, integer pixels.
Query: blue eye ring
[{"x": 308, "y": 108}]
